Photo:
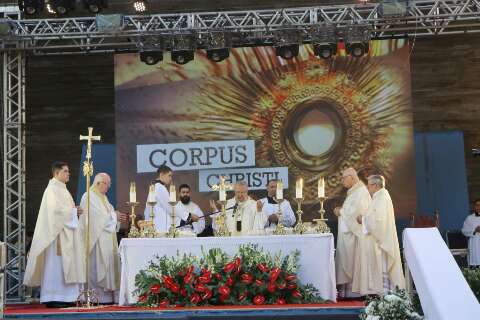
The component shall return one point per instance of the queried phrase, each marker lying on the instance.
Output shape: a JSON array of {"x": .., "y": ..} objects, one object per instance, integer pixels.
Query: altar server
[
  {"x": 471, "y": 230},
  {"x": 269, "y": 207},
  {"x": 193, "y": 217}
]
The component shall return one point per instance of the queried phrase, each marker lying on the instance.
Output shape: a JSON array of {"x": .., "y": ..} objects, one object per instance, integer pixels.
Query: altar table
[{"x": 317, "y": 265}]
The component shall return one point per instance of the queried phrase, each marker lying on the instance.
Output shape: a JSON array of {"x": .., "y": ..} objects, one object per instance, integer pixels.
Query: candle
[
  {"x": 321, "y": 188},
  {"x": 151, "y": 194},
  {"x": 299, "y": 189},
  {"x": 173, "y": 194},
  {"x": 279, "y": 190},
  {"x": 222, "y": 192},
  {"x": 133, "y": 192}
]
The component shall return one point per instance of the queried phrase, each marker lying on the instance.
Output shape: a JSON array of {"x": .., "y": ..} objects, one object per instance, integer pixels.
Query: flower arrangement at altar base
[
  {"x": 396, "y": 305},
  {"x": 251, "y": 277}
]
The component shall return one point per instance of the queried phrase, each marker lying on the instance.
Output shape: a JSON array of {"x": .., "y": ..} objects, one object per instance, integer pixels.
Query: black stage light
[
  {"x": 151, "y": 57},
  {"x": 218, "y": 55},
  {"x": 287, "y": 52},
  {"x": 182, "y": 56},
  {"x": 140, "y": 6},
  {"x": 31, "y": 7},
  {"x": 325, "y": 50},
  {"x": 61, "y": 7},
  {"x": 95, "y": 6}
]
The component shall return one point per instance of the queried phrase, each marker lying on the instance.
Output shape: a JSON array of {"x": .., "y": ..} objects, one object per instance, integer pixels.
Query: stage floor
[{"x": 341, "y": 310}]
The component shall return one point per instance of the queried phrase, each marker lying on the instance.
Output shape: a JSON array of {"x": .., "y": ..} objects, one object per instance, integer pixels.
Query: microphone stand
[{"x": 204, "y": 216}]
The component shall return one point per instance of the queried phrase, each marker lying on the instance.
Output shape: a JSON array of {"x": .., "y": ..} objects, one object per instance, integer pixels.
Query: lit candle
[
  {"x": 173, "y": 194},
  {"x": 222, "y": 192},
  {"x": 133, "y": 192},
  {"x": 151, "y": 194},
  {"x": 321, "y": 188},
  {"x": 279, "y": 190},
  {"x": 299, "y": 189}
]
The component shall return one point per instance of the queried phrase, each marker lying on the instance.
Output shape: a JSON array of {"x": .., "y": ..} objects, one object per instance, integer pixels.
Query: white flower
[
  {"x": 392, "y": 298},
  {"x": 370, "y": 317}
]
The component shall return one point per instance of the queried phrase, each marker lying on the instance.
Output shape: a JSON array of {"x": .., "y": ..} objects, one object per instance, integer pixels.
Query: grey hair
[
  {"x": 100, "y": 177},
  {"x": 241, "y": 183},
  {"x": 377, "y": 180}
]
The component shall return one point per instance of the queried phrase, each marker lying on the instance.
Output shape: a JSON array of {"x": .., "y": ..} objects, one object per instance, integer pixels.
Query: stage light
[
  {"x": 287, "y": 43},
  {"x": 324, "y": 40},
  {"x": 218, "y": 55},
  {"x": 95, "y": 6},
  {"x": 31, "y": 7},
  {"x": 287, "y": 52},
  {"x": 183, "y": 48},
  {"x": 219, "y": 45},
  {"x": 357, "y": 40},
  {"x": 140, "y": 6},
  {"x": 151, "y": 57},
  {"x": 61, "y": 7}
]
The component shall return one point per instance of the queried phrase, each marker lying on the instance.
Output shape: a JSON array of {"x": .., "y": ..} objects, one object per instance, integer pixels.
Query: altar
[{"x": 317, "y": 264}]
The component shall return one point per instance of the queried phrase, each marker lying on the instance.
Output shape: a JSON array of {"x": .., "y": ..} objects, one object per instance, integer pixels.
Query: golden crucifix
[
  {"x": 89, "y": 295},
  {"x": 220, "y": 220}
]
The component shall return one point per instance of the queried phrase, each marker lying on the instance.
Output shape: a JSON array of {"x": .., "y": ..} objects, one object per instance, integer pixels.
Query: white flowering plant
[{"x": 396, "y": 305}]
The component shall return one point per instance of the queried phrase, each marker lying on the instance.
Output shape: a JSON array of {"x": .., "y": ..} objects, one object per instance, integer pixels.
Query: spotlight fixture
[
  {"x": 183, "y": 48},
  {"x": 357, "y": 40},
  {"x": 324, "y": 40},
  {"x": 61, "y": 7},
  {"x": 140, "y": 6},
  {"x": 151, "y": 57},
  {"x": 287, "y": 43},
  {"x": 31, "y": 7},
  {"x": 219, "y": 45},
  {"x": 95, "y": 6}
]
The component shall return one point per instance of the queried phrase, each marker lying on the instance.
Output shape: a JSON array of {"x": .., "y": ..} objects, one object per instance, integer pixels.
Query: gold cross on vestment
[{"x": 89, "y": 139}]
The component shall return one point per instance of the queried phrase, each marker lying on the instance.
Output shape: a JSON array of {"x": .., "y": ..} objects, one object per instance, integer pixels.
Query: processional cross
[
  {"x": 220, "y": 221},
  {"x": 88, "y": 294}
]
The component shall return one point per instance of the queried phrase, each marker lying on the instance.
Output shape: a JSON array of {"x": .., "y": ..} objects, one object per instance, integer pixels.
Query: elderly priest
[
  {"x": 104, "y": 273},
  {"x": 56, "y": 261}
]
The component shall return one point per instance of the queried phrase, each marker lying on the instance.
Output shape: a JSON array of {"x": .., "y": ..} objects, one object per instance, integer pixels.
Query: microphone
[{"x": 239, "y": 222}]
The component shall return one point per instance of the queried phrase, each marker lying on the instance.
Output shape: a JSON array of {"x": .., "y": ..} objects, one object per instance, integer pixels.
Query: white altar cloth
[
  {"x": 317, "y": 264},
  {"x": 444, "y": 293}
]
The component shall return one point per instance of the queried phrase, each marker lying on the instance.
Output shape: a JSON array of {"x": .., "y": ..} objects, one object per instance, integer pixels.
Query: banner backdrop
[{"x": 256, "y": 117}]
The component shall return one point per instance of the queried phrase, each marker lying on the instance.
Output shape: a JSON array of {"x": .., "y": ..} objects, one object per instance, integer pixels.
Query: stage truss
[{"x": 250, "y": 27}]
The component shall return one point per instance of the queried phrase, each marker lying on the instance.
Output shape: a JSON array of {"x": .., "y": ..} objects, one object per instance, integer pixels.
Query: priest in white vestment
[
  {"x": 193, "y": 215},
  {"x": 357, "y": 202},
  {"x": 269, "y": 207},
  {"x": 56, "y": 261},
  {"x": 471, "y": 230},
  {"x": 104, "y": 273},
  {"x": 378, "y": 264},
  {"x": 162, "y": 209},
  {"x": 243, "y": 216}
]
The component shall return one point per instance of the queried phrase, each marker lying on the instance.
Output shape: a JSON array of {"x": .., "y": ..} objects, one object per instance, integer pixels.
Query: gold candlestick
[
  {"x": 280, "y": 228},
  {"x": 220, "y": 221},
  {"x": 321, "y": 225},
  {"x": 134, "y": 232},
  {"x": 172, "y": 231},
  {"x": 300, "y": 228}
]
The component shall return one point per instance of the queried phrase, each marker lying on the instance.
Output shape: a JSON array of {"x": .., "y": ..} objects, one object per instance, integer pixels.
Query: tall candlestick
[
  {"x": 279, "y": 190},
  {"x": 222, "y": 191},
  {"x": 321, "y": 188},
  {"x": 299, "y": 189},
  {"x": 151, "y": 194},
  {"x": 173, "y": 194},
  {"x": 133, "y": 192}
]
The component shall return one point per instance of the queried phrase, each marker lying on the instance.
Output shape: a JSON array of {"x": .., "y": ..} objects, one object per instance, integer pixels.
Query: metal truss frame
[{"x": 252, "y": 27}]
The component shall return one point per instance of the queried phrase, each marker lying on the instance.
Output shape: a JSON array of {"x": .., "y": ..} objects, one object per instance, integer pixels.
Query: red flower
[
  {"x": 206, "y": 273},
  {"x": 224, "y": 291},
  {"x": 259, "y": 282},
  {"x": 155, "y": 288},
  {"x": 207, "y": 294},
  {"x": 190, "y": 269},
  {"x": 281, "y": 285},
  {"x": 200, "y": 287},
  {"x": 218, "y": 276},
  {"x": 281, "y": 301},
  {"x": 183, "y": 292},
  {"x": 271, "y": 287},
  {"x": 195, "y": 298},
  {"x": 262, "y": 267},
  {"x": 142, "y": 298},
  {"x": 229, "y": 267},
  {"x": 188, "y": 278},
  {"x": 164, "y": 303},
  {"x": 229, "y": 281},
  {"x": 242, "y": 296},
  {"x": 274, "y": 273},
  {"x": 168, "y": 280},
  {"x": 237, "y": 262},
  {"x": 259, "y": 299},
  {"x": 204, "y": 279},
  {"x": 291, "y": 286},
  {"x": 296, "y": 294},
  {"x": 174, "y": 288},
  {"x": 246, "y": 278},
  {"x": 290, "y": 277}
]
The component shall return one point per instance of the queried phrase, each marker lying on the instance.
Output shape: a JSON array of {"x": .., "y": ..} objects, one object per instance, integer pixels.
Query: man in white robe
[
  {"x": 104, "y": 264},
  {"x": 378, "y": 265},
  {"x": 357, "y": 202},
  {"x": 56, "y": 261},
  {"x": 471, "y": 230},
  {"x": 162, "y": 209},
  {"x": 243, "y": 216},
  {"x": 269, "y": 207},
  {"x": 193, "y": 217}
]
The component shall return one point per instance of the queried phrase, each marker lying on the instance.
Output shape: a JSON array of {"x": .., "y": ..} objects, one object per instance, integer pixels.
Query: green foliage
[
  {"x": 394, "y": 306},
  {"x": 473, "y": 278}
]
